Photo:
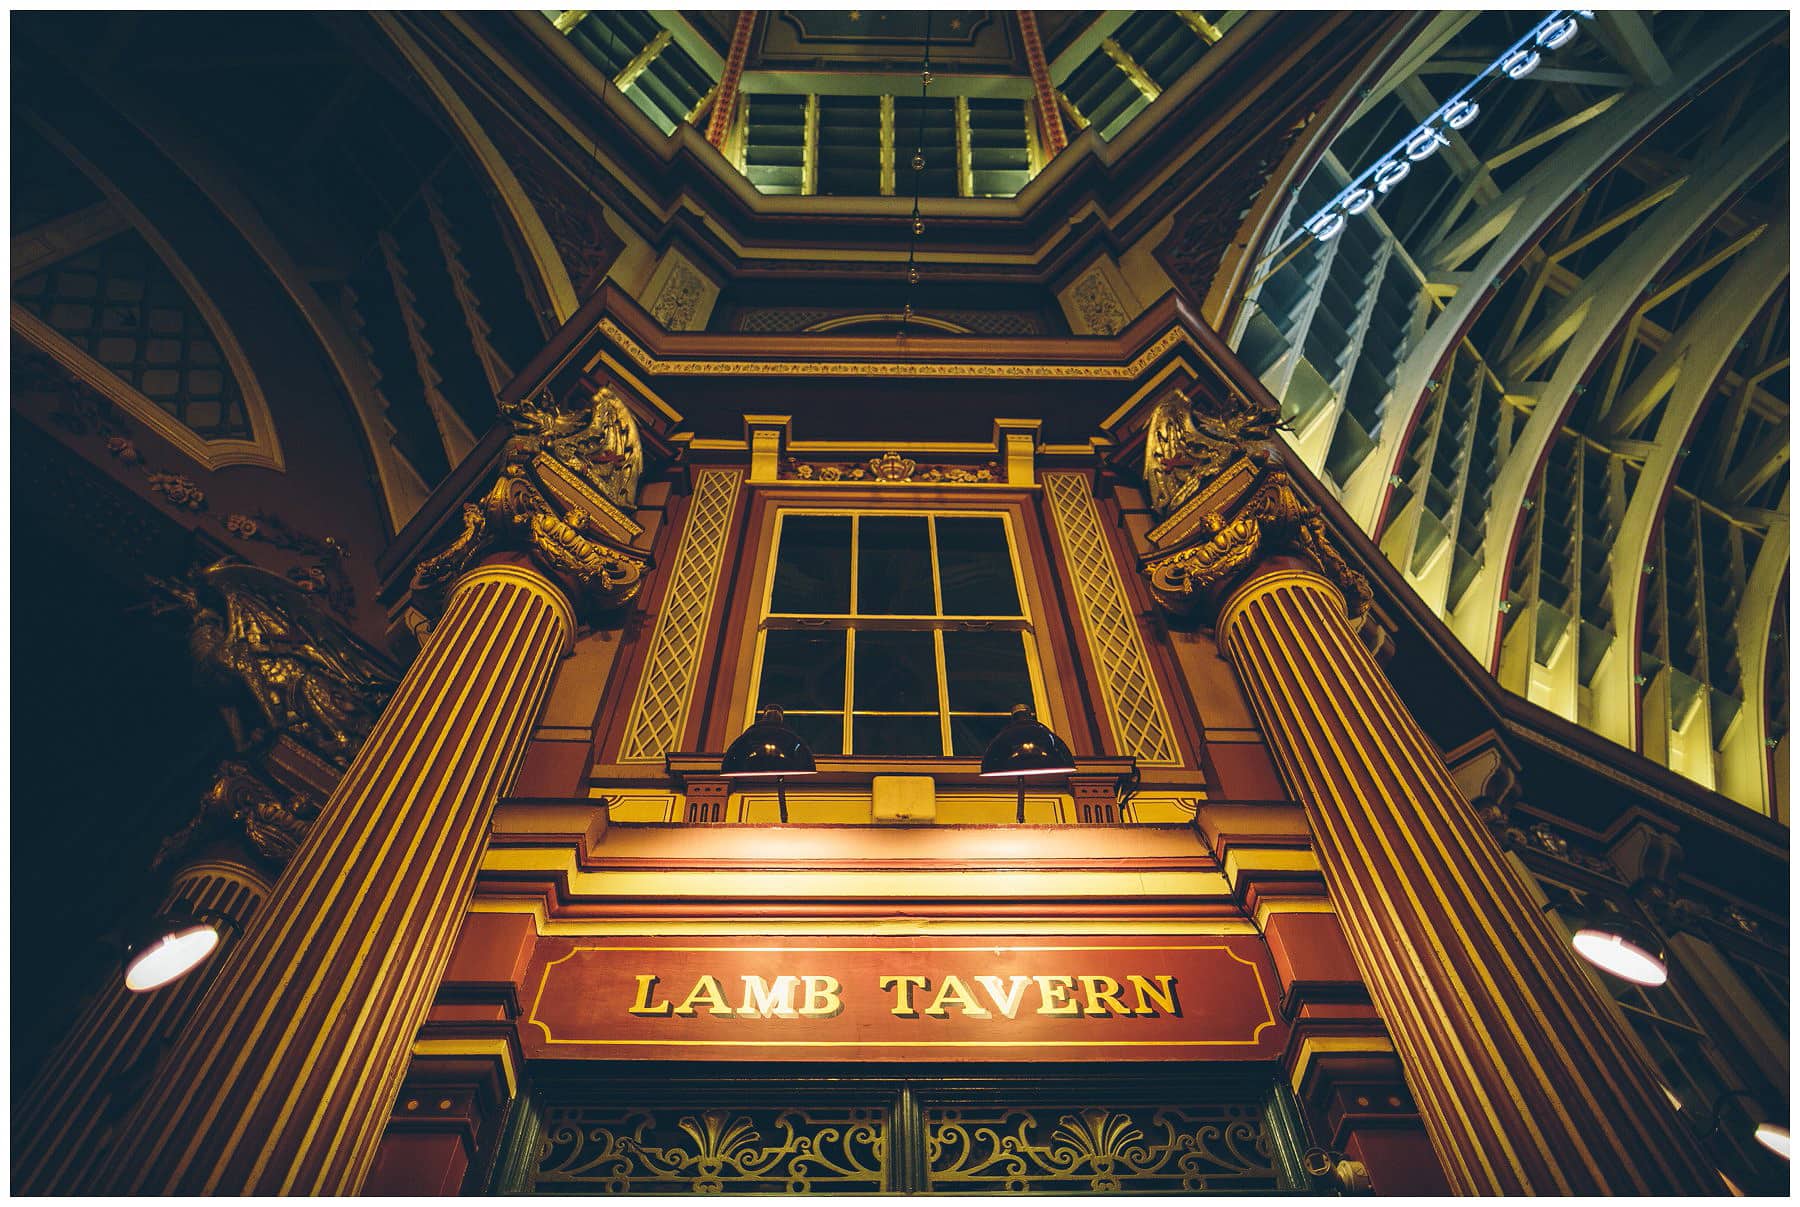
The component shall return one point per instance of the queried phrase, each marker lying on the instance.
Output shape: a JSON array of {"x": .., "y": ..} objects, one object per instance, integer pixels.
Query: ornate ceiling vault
[{"x": 1549, "y": 372}]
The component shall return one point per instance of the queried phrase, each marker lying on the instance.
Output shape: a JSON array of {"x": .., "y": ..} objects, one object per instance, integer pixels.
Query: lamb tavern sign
[{"x": 1182, "y": 997}]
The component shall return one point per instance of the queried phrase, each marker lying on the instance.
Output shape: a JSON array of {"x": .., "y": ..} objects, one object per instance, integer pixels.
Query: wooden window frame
[{"x": 937, "y": 623}]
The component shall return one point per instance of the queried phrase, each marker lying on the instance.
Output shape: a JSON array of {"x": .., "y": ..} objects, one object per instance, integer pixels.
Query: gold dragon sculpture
[
  {"x": 1214, "y": 471},
  {"x": 567, "y": 481}
]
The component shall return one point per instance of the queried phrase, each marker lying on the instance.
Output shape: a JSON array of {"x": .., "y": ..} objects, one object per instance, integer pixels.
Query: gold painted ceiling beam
[{"x": 640, "y": 64}]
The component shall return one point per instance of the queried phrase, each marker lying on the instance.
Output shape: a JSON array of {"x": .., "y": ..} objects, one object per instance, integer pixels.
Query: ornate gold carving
[
  {"x": 1214, "y": 471},
  {"x": 1187, "y": 446},
  {"x": 1108, "y": 1150},
  {"x": 270, "y": 823},
  {"x": 600, "y": 444},
  {"x": 747, "y": 1151},
  {"x": 1140, "y": 723},
  {"x": 179, "y": 489},
  {"x": 566, "y": 480},
  {"x": 1098, "y": 305},
  {"x": 679, "y": 299},
  {"x": 892, "y": 469},
  {"x": 276, "y": 664}
]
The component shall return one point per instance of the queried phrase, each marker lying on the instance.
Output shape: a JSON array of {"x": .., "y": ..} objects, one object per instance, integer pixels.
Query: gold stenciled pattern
[
  {"x": 660, "y": 709},
  {"x": 1140, "y": 723},
  {"x": 742, "y": 1151},
  {"x": 1099, "y": 1150}
]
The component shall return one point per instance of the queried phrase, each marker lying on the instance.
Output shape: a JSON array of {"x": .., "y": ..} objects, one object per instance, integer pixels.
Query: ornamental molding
[
  {"x": 1215, "y": 477},
  {"x": 567, "y": 481},
  {"x": 891, "y": 469},
  {"x": 720, "y": 367}
]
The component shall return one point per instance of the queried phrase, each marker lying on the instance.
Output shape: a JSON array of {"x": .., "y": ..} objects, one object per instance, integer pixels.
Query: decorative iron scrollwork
[
  {"x": 737, "y": 1151},
  {"x": 1098, "y": 1150}
]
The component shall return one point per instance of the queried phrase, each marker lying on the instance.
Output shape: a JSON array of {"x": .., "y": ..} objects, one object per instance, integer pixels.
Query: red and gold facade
[{"x": 1283, "y": 928}]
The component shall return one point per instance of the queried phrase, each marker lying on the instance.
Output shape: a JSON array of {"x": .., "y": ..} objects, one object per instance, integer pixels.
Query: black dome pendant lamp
[{"x": 1025, "y": 746}]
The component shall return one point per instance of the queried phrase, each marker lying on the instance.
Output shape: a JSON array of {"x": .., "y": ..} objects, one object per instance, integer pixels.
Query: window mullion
[
  {"x": 943, "y": 690},
  {"x": 937, "y": 587},
  {"x": 849, "y": 673}
]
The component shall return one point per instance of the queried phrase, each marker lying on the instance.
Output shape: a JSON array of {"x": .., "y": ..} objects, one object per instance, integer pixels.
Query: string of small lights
[{"x": 918, "y": 167}]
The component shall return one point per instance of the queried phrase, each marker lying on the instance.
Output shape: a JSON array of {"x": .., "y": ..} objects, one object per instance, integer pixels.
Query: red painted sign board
[{"x": 902, "y": 998}]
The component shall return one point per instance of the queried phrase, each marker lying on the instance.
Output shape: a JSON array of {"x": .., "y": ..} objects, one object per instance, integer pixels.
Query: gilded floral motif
[
  {"x": 1098, "y": 1150},
  {"x": 748, "y": 1151},
  {"x": 891, "y": 469}
]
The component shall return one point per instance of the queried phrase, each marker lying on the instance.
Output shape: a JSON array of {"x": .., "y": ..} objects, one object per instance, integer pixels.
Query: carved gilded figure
[
  {"x": 568, "y": 480},
  {"x": 1215, "y": 477},
  {"x": 275, "y": 663},
  {"x": 242, "y": 804}
]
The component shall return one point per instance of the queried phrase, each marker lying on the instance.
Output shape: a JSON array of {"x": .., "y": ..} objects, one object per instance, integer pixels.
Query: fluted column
[
  {"x": 1525, "y": 1080},
  {"x": 282, "y": 1079},
  {"x": 68, "y": 1112}
]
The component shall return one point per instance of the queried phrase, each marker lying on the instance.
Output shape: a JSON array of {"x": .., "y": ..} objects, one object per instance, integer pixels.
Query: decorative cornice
[{"x": 644, "y": 359}]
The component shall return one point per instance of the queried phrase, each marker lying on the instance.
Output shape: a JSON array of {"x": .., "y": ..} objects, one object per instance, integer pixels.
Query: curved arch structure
[
  {"x": 1501, "y": 365},
  {"x": 262, "y": 448}
]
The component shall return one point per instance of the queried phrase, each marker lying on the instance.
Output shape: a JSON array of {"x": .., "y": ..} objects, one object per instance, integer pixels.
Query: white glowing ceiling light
[
  {"x": 1519, "y": 61},
  {"x": 171, "y": 956},
  {"x": 1612, "y": 952}
]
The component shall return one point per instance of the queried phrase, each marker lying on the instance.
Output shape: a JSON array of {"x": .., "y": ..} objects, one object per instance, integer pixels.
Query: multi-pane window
[{"x": 891, "y": 633}]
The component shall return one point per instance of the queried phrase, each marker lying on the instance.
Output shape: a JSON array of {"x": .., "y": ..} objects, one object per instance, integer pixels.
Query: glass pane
[
  {"x": 812, "y": 567},
  {"x": 895, "y": 672},
  {"x": 893, "y": 566},
  {"x": 895, "y": 735},
  {"x": 969, "y": 736},
  {"x": 824, "y": 732},
  {"x": 802, "y": 669},
  {"x": 975, "y": 568},
  {"x": 987, "y": 671}
]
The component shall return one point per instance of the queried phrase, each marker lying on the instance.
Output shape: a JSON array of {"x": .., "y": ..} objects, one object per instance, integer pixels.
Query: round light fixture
[
  {"x": 769, "y": 750},
  {"x": 1624, "y": 948},
  {"x": 167, "y": 948},
  {"x": 1774, "y": 1137},
  {"x": 1026, "y": 746}
]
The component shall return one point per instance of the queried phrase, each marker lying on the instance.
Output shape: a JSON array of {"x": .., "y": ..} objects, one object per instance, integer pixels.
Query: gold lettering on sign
[
  {"x": 762, "y": 1000},
  {"x": 954, "y": 992},
  {"x": 905, "y": 984},
  {"x": 1008, "y": 1002},
  {"x": 1099, "y": 999},
  {"x": 1056, "y": 991},
  {"x": 708, "y": 990},
  {"x": 646, "y": 985},
  {"x": 823, "y": 998},
  {"x": 818, "y": 996},
  {"x": 1163, "y": 996}
]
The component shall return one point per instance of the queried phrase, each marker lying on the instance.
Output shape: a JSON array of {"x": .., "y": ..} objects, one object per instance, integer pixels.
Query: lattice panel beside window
[
  {"x": 119, "y": 303},
  {"x": 666, "y": 692},
  {"x": 1140, "y": 722}
]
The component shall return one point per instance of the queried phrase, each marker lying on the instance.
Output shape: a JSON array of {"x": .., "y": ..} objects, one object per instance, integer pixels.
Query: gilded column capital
[
  {"x": 567, "y": 482},
  {"x": 1215, "y": 474}
]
